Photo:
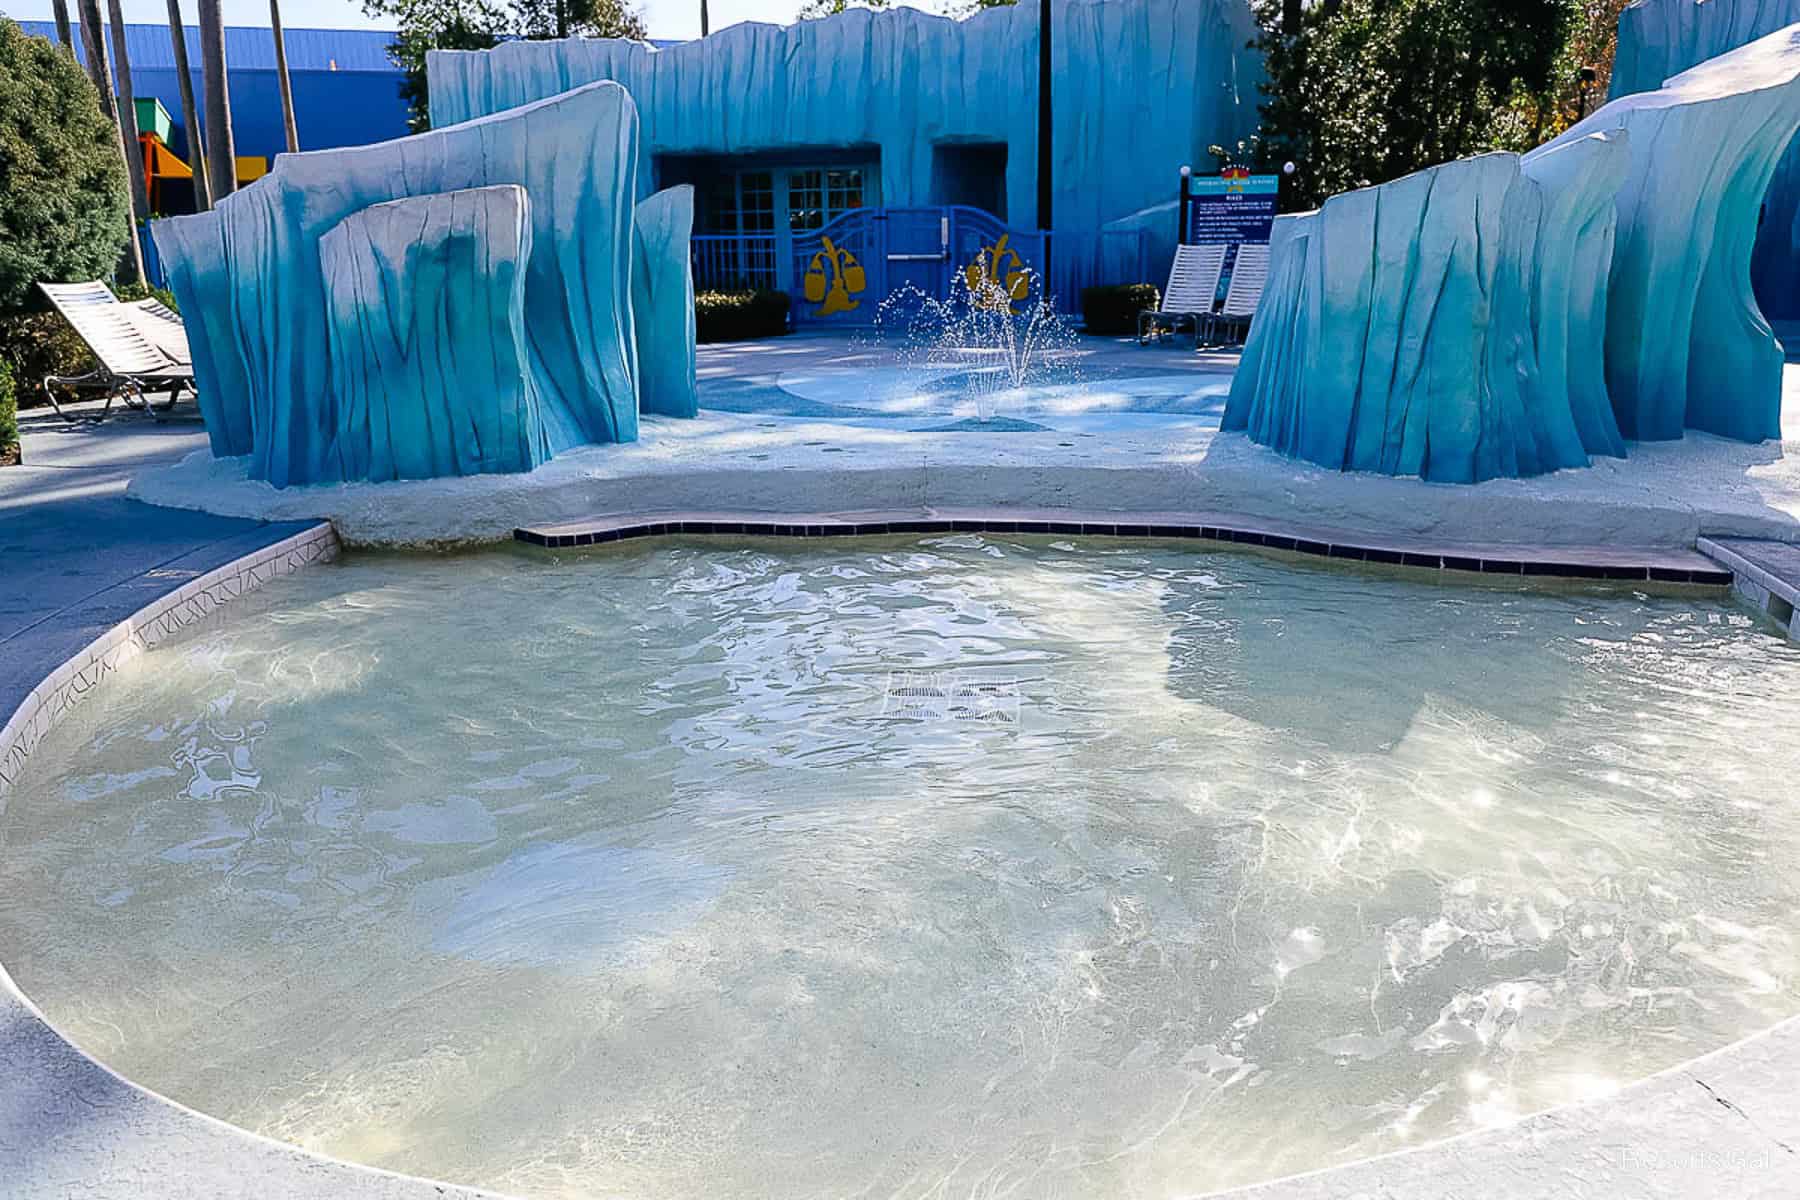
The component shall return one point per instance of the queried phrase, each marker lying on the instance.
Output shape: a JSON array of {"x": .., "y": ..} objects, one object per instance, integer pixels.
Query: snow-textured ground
[{"x": 1134, "y": 446}]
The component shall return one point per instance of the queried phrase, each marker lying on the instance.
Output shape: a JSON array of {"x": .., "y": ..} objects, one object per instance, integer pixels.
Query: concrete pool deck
[{"x": 1725, "y": 1124}]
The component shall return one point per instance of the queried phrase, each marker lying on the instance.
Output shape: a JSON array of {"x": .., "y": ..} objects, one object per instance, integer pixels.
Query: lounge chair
[
  {"x": 1189, "y": 298},
  {"x": 1249, "y": 276},
  {"x": 141, "y": 349},
  {"x": 160, "y": 324}
]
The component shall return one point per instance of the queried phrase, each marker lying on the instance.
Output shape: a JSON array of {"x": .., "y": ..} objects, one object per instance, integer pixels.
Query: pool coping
[
  {"x": 1726, "y": 1122},
  {"x": 1764, "y": 575},
  {"x": 1647, "y": 565}
]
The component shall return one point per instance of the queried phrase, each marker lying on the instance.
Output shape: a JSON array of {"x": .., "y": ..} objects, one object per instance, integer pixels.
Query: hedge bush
[
  {"x": 1112, "y": 310},
  {"x": 739, "y": 316},
  {"x": 63, "y": 204},
  {"x": 9, "y": 414}
]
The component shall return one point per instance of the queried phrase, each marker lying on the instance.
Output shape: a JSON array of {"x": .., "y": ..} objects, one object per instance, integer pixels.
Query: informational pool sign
[{"x": 1233, "y": 206}]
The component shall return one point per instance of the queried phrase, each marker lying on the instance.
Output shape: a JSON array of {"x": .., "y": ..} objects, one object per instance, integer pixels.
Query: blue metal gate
[{"x": 843, "y": 272}]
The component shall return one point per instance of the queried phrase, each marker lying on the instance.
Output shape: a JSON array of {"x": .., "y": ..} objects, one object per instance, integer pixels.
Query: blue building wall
[
  {"x": 1141, "y": 87},
  {"x": 346, "y": 92}
]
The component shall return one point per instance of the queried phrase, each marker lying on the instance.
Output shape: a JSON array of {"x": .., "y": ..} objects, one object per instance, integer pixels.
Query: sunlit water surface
[{"x": 627, "y": 874}]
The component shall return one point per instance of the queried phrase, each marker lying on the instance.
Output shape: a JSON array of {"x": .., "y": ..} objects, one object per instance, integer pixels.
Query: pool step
[
  {"x": 1765, "y": 574},
  {"x": 1658, "y": 565}
]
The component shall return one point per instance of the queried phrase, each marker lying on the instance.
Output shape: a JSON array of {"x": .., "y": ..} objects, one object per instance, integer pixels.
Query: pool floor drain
[{"x": 948, "y": 696}]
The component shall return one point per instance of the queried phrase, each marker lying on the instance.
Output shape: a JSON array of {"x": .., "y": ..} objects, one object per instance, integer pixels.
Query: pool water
[{"x": 966, "y": 865}]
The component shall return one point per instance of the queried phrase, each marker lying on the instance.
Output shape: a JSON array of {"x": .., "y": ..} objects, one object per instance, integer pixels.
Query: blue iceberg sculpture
[
  {"x": 1659, "y": 39},
  {"x": 662, "y": 302},
  {"x": 1455, "y": 324},
  {"x": 1397, "y": 333},
  {"x": 427, "y": 337},
  {"x": 1686, "y": 344},
  {"x": 193, "y": 256},
  {"x": 251, "y": 277}
]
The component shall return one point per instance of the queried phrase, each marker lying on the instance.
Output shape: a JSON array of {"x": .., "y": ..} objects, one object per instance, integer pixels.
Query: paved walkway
[{"x": 74, "y": 551}]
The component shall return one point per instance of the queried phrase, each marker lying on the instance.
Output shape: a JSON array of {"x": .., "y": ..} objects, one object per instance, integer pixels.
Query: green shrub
[
  {"x": 63, "y": 204},
  {"x": 9, "y": 413},
  {"x": 37, "y": 344},
  {"x": 739, "y": 316},
  {"x": 1112, "y": 310}
]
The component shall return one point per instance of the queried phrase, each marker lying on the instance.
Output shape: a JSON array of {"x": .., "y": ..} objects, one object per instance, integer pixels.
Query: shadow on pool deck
[{"x": 68, "y": 535}]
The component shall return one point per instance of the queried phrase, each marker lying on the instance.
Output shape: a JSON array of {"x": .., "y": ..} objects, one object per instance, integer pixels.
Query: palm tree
[
  {"x": 221, "y": 155},
  {"x": 128, "y": 126},
  {"x": 93, "y": 45},
  {"x": 60, "y": 9},
  {"x": 281, "y": 77},
  {"x": 190, "y": 114}
]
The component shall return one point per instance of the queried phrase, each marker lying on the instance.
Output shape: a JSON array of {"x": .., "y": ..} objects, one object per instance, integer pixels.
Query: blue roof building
[{"x": 346, "y": 90}]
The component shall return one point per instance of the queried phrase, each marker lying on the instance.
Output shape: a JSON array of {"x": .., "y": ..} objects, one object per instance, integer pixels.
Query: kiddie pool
[{"x": 967, "y": 860}]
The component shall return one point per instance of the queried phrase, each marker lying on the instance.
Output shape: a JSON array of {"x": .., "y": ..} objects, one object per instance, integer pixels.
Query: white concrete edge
[
  {"x": 1755, "y": 587},
  {"x": 68, "y": 684},
  {"x": 1672, "y": 1134}
]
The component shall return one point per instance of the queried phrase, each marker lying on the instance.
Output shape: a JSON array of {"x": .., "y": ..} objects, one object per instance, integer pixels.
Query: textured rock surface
[
  {"x": 1662, "y": 38},
  {"x": 427, "y": 337},
  {"x": 251, "y": 266},
  {"x": 662, "y": 304},
  {"x": 1686, "y": 345},
  {"x": 1177, "y": 74},
  {"x": 1454, "y": 324}
]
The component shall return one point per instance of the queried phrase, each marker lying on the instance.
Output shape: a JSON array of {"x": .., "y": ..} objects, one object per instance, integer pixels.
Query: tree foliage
[
  {"x": 426, "y": 25},
  {"x": 63, "y": 205},
  {"x": 1365, "y": 91}
]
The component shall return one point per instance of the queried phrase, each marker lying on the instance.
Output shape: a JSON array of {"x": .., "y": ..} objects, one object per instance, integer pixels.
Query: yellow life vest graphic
[
  {"x": 846, "y": 280},
  {"x": 998, "y": 277}
]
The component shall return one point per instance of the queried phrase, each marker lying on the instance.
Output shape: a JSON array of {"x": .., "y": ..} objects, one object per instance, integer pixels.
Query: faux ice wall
[
  {"x": 1141, "y": 87},
  {"x": 427, "y": 337},
  {"x": 1506, "y": 316},
  {"x": 662, "y": 303},
  {"x": 1662, "y": 38},
  {"x": 1402, "y": 325},
  {"x": 250, "y": 279},
  {"x": 1686, "y": 345}
]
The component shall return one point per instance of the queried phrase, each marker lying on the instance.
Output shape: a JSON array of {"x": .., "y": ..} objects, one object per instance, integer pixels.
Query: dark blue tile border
[{"x": 1543, "y": 569}]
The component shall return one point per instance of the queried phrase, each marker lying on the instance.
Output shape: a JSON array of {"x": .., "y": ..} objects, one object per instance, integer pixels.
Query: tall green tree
[
  {"x": 100, "y": 72},
  {"x": 215, "y": 87},
  {"x": 290, "y": 130},
  {"x": 1360, "y": 92},
  {"x": 426, "y": 25},
  {"x": 190, "y": 112}
]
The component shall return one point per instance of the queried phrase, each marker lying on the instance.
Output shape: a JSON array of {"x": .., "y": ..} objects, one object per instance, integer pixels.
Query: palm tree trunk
[
  {"x": 93, "y": 45},
  {"x": 221, "y": 155},
  {"x": 61, "y": 11},
  {"x": 128, "y": 126},
  {"x": 190, "y": 113},
  {"x": 281, "y": 76}
]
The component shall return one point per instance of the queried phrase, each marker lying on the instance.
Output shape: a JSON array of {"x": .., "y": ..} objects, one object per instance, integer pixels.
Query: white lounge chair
[
  {"x": 1249, "y": 276},
  {"x": 140, "y": 349},
  {"x": 1193, "y": 289},
  {"x": 160, "y": 324}
]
